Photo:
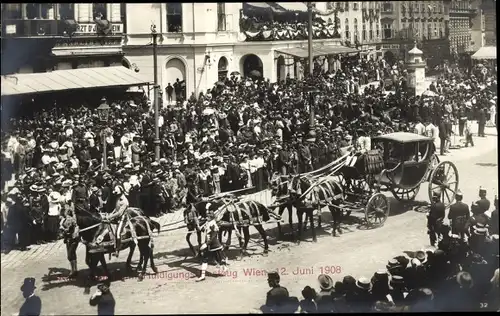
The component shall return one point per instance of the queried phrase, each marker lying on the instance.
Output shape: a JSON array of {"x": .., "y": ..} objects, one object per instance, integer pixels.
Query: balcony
[{"x": 31, "y": 28}]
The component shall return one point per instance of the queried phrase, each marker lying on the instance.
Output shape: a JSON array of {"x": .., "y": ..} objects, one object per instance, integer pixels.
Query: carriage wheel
[
  {"x": 405, "y": 194},
  {"x": 377, "y": 210},
  {"x": 444, "y": 181}
]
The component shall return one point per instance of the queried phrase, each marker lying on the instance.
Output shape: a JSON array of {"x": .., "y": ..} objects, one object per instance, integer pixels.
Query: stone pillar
[
  {"x": 114, "y": 14},
  {"x": 83, "y": 12}
]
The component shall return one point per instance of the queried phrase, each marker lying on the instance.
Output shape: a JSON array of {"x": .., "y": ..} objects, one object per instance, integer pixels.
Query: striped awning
[
  {"x": 293, "y": 6},
  {"x": 71, "y": 79},
  {"x": 303, "y": 52}
]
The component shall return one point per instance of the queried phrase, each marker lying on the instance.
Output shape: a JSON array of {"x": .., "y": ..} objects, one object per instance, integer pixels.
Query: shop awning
[
  {"x": 71, "y": 79},
  {"x": 486, "y": 52},
  {"x": 293, "y": 6},
  {"x": 302, "y": 52}
]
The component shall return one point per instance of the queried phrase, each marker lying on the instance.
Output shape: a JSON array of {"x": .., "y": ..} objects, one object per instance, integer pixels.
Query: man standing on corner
[{"x": 435, "y": 219}]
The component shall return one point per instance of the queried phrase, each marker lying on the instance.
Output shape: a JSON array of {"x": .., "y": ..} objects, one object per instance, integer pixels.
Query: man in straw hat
[
  {"x": 118, "y": 213},
  {"x": 39, "y": 207},
  {"x": 458, "y": 215},
  {"x": 324, "y": 299}
]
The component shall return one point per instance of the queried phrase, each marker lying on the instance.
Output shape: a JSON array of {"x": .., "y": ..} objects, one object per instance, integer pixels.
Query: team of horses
[{"x": 307, "y": 194}]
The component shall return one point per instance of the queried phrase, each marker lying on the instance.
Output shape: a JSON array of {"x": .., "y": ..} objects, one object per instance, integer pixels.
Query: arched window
[
  {"x": 371, "y": 31},
  {"x": 99, "y": 11},
  {"x": 363, "y": 35},
  {"x": 347, "y": 34},
  {"x": 222, "y": 68}
]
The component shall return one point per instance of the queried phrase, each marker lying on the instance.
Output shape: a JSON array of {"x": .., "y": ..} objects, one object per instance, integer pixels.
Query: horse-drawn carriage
[{"x": 398, "y": 163}]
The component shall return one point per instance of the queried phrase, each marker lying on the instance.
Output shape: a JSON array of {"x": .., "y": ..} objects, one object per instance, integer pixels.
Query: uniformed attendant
[
  {"x": 458, "y": 216},
  {"x": 212, "y": 246},
  {"x": 435, "y": 219},
  {"x": 482, "y": 205},
  {"x": 71, "y": 235},
  {"x": 278, "y": 297}
]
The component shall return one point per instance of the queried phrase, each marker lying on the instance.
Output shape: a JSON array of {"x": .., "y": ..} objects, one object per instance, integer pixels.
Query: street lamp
[
  {"x": 154, "y": 34},
  {"x": 103, "y": 112}
]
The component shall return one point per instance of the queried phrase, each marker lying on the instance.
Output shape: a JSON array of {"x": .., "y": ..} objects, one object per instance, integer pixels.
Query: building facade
[
  {"x": 490, "y": 22},
  {"x": 404, "y": 22},
  {"x": 461, "y": 18},
  {"x": 358, "y": 23},
  {"x": 198, "y": 43},
  {"x": 45, "y": 37}
]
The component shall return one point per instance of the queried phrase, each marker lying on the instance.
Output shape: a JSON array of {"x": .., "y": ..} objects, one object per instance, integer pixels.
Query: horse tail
[{"x": 155, "y": 225}]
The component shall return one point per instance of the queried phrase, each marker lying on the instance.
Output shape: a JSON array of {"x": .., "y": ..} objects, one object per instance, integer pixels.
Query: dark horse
[
  {"x": 97, "y": 237},
  {"x": 241, "y": 215},
  {"x": 306, "y": 199}
]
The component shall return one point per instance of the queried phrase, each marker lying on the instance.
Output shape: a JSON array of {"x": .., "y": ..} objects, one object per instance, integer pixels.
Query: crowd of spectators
[
  {"x": 460, "y": 275},
  {"x": 264, "y": 30},
  {"x": 234, "y": 136}
]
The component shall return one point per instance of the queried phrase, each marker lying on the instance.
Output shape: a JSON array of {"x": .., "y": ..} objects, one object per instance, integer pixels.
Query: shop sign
[{"x": 91, "y": 28}]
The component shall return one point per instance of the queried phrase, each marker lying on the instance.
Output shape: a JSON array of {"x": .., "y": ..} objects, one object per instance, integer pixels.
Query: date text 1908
[{"x": 310, "y": 270}]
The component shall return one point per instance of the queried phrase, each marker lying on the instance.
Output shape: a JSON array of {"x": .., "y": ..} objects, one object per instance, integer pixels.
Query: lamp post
[
  {"x": 103, "y": 112},
  {"x": 157, "y": 88},
  {"x": 311, "y": 59}
]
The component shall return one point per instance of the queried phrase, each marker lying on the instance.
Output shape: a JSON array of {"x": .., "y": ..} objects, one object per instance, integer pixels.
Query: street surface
[{"x": 242, "y": 290}]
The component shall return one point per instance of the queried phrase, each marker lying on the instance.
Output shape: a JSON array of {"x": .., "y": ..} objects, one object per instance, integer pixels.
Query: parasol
[
  {"x": 208, "y": 111},
  {"x": 429, "y": 93},
  {"x": 255, "y": 73},
  {"x": 235, "y": 73}
]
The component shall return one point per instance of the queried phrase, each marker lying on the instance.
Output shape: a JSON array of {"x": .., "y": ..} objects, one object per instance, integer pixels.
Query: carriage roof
[{"x": 404, "y": 137}]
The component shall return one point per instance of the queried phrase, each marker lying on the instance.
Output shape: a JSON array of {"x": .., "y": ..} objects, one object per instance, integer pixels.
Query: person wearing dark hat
[
  {"x": 435, "y": 219},
  {"x": 397, "y": 290},
  {"x": 32, "y": 304},
  {"x": 104, "y": 300},
  {"x": 278, "y": 297},
  {"x": 308, "y": 304},
  {"x": 80, "y": 196},
  {"x": 380, "y": 285},
  {"x": 324, "y": 299},
  {"x": 458, "y": 215}
]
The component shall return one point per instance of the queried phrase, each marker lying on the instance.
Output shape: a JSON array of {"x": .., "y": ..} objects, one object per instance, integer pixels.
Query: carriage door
[{"x": 415, "y": 163}]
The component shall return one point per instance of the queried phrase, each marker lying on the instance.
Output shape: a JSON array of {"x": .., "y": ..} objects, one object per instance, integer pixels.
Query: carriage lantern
[{"x": 103, "y": 111}]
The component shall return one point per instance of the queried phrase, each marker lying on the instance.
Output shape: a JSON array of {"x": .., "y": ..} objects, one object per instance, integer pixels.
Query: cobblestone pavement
[{"x": 242, "y": 290}]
